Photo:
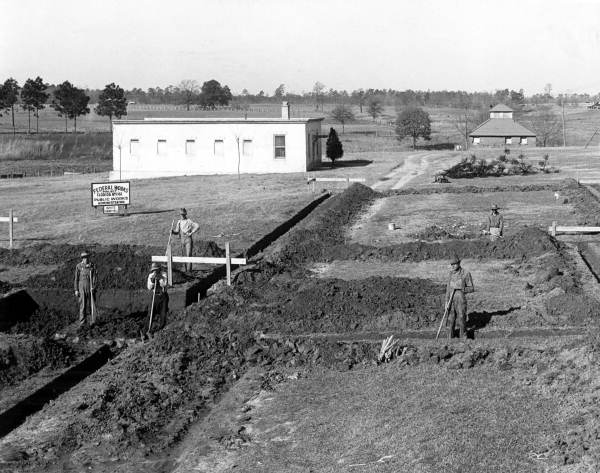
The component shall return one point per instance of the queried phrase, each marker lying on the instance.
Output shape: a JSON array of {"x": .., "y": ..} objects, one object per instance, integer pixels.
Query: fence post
[
  {"x": 169, "y": 266},
  {"x": 347, "y": 182},
  {"x": 554, "y": 228},
  {"x": 10, "y": 229},
  {"x": 228, "y": 263}
]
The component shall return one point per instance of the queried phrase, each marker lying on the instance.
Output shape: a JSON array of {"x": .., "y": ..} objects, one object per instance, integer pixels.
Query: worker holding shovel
[
  {"x": 185, "y": 228},
  {"x": 459, "y": 284},
  {"x": 85, "y": 288},
  {"x": 157, "y": 283}
]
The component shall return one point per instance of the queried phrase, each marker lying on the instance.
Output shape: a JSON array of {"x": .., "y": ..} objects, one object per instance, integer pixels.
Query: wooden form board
[
  {"x": 169, "y": 259},
  {"x": 555, "y": 229}
]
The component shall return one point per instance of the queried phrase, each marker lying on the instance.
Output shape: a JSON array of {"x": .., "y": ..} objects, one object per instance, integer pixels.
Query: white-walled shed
[{"x": 175, "y": 147}]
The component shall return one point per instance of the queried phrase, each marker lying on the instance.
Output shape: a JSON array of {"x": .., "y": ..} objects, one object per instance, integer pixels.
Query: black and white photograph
[{"x": 300, "y": 236}]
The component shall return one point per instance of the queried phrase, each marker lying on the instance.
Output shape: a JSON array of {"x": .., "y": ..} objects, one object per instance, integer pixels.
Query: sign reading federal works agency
[{"x": 110, "y": 193}]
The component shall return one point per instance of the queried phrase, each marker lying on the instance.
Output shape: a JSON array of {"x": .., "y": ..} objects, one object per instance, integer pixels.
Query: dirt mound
[
  {"x": 21, "y": 356},
  {"x": 45, "y": 322},
  {"x": 586, "y": 204},
  {"x": 325, "y": 227},
  {"x": 334, "y": 305},
  {"x": 469, "y": 189},
  {"x": 528, "y": 242}
]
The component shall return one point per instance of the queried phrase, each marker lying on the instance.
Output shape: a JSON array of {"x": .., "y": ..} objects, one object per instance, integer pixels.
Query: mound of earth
[
  {"x": 527, "y": 242},
  {"x": 470, "y": 189},
  {"x": 586, "y": 204},
  {"x": 21, "y": 356},
  {"x": 325, "y": 226},
  {"x": 118, "y": 266}
]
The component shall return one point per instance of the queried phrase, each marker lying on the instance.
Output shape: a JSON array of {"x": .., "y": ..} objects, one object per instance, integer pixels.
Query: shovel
[{"x": 446, "y": 309}]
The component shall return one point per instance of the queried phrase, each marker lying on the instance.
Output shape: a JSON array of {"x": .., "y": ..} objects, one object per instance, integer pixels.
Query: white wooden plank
[
  {"x": 335, "y": 179},
  {"x": 575, "y": 229},
  {"x": 7, "y": 219},
  {"x": 198, "y": 260}
]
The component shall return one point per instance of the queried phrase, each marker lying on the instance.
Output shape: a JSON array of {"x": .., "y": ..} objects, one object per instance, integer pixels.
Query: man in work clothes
[
  {"x": 459, "y": 284},
  {"x": 495, "y": 224},
  {"x": 157, "y": 283},
  {"x": 185, "y": 228},
  {"x": 85, "y": 288}
]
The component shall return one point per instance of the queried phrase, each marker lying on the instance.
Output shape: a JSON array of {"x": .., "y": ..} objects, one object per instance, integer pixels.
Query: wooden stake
[
  {"x": 10, "y": 229},
  {"x": 228, "y": 263},
  {"x": 554, "y": 228},
  {"x": 169, "y": 266}
]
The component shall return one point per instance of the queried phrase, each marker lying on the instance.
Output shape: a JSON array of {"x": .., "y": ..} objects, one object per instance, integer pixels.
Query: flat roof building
[{"x": 158, "y": 147}]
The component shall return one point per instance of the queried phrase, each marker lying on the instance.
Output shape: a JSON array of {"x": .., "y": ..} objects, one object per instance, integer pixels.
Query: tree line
[{"x": 72, "y": 102}]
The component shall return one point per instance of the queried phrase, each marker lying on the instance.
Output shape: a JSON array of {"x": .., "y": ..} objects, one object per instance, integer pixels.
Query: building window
[
  {"x": 523, "y": 141},
  {"x": 280, "y": 146},
  {"x": 219, "y": 148},
  {"x": 134, "y": 148},
  {"x": 161, "y": 147},
  {"x": 190, "y": 147},
  {"x": 247, "y": 147},
  {"x": 476, "y": 140},
  {"x": 508, "y": 141}
]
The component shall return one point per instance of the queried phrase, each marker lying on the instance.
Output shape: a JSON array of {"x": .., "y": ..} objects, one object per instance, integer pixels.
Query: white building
[{"x": 157, "y": 147}]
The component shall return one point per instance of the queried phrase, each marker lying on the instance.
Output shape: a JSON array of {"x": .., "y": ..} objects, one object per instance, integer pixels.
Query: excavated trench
[
  {"x": 142, "y": 403},
  {"x": 45, "y": 308}
]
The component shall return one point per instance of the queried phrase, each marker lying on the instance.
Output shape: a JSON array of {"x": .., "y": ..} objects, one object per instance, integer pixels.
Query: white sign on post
[{"x": 110, "y": 193}]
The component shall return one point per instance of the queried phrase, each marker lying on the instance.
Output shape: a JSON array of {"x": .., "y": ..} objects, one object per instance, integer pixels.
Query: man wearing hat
[
  {"x": 459, "y": 284},
  {"x": 185, "y": 228},
  {"x": 85, "y": 288},
  {"x": 495, "y": 224},
  {"x": 157, "y": 283}
]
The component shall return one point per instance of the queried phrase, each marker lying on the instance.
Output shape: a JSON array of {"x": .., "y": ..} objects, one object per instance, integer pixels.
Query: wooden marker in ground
[
  {"x": 228, "y": 261},
  {"x": 11, "y": 219}
]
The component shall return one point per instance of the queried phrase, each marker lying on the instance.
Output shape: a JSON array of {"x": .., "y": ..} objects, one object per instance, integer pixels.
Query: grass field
[
  {"x": 394, "y": 419},
  {"x": 58, "y": 209}
]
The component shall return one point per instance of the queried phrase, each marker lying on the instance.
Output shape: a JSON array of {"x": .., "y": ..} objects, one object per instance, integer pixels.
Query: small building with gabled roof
[{"x": 502, "y": 130}]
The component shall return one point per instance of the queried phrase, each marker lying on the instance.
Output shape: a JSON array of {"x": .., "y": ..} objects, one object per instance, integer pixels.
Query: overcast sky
[{"x": 345, "y": 44}]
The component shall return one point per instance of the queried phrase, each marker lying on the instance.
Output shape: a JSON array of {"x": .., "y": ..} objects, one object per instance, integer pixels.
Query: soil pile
[
  {"x": 325, "y": 227},
  {"x": 334, "y": 305},
  {"x": 208, "y": 248},
  {"x": 527, "y": 242},
  {"x": 21, "y": 356},
  {"x": 586, "y": 204},
  {"x": 562, "y": 185}
]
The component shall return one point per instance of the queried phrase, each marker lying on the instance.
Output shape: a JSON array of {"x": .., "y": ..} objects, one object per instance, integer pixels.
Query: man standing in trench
[
  {"x": 157, "y": 283},
  {"x": 495, "y": 225},
  {"x": 459, "y": 284},
  {"x": 85, "y": 288},
  {"x": 185, "y": 228}
]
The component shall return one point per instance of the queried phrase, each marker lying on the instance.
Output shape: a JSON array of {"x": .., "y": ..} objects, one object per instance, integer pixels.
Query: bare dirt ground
[{"x": 248, "y": 379}]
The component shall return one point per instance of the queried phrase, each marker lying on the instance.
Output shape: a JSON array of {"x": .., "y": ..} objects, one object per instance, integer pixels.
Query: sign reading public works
[{"x": 110, "y": 193}]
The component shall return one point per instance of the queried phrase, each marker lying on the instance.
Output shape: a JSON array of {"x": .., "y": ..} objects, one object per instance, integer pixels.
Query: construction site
[{"x": 291, "y": 367}]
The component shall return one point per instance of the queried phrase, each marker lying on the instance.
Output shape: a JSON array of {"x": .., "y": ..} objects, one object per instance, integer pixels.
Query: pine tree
[{"x": 334, "y": 148}]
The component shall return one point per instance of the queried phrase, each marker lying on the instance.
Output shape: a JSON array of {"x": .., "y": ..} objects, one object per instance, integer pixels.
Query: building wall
[
  {"x": 191, "y": 148},
  {"x": 500, "y": 141}
]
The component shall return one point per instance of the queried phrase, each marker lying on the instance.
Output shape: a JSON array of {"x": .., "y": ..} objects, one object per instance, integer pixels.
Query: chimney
[{"x": 285, "y": 110}]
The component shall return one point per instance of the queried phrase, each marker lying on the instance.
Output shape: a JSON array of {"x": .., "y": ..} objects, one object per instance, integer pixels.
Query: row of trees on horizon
[{"x": 72, "y": 102}]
